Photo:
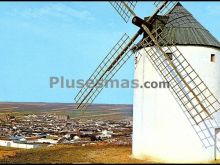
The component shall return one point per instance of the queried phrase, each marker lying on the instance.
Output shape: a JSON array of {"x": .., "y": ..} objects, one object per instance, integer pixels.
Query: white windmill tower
[
  {"x": 161, "y": 129},
  {"x": 175, "y": 124}
]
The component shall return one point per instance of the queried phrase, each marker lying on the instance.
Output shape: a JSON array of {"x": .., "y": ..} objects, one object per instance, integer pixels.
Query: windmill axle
[{"x": 139, "y": 22}]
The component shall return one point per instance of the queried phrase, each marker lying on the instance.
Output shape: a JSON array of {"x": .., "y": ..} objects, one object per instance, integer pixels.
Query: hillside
[{"x": 99, "y": 111}]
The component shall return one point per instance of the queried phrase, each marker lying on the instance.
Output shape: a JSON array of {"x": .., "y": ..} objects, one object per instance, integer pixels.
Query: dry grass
[
  {"x": 6, "y": 152},
  {"x": 72, "y": 154},
  {"x": 75, "y": 154}
]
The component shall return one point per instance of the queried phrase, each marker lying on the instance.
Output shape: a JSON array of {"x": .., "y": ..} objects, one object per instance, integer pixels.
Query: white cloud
[{"x": 61, "y": 11}]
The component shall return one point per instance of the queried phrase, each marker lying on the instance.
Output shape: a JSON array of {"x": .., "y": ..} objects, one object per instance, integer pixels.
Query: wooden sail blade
[
  {"x": 116, "y": 58},
  {"x": 124, "y": 9},
  {"x": 167, "y": 6}
]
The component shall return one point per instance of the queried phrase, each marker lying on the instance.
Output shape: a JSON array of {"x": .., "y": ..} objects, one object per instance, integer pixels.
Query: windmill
[{"x": 161, "y": 49}]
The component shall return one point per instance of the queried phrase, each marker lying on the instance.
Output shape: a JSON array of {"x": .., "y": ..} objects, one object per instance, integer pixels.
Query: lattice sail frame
[
  {"x": 167, "y": 8},
  {"x": 122, "y": 10},
  {"x": 103, "y": 74},
  {"x": 202, "y": 122}
]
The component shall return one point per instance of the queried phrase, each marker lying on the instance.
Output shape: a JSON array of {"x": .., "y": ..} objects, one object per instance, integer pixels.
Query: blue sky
[{"x": 44, "y": 39}]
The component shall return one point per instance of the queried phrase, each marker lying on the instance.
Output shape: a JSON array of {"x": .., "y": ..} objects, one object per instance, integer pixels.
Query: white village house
[{"x": 9, "y": 143}]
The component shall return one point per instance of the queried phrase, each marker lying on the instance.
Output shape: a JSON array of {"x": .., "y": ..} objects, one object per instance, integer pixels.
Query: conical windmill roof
[{"x": 183, "y": 29}]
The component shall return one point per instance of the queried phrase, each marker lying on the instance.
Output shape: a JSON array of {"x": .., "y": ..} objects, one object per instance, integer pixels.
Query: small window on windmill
[
  {"x": 170, "y": 55},
  {"x": 136, "y": 60},
  {"x": 213, "y": 58}
]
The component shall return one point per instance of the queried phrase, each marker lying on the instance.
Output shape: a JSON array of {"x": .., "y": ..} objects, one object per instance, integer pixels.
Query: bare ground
[{"x": 73, "y": 154}]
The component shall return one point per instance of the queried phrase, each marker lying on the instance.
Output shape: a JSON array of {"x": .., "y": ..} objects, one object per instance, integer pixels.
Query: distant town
[{"x": 48, "y": 128}]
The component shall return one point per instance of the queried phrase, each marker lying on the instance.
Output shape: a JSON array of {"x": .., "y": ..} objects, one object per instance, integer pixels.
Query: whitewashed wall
[{"x": 7, "y": 143}]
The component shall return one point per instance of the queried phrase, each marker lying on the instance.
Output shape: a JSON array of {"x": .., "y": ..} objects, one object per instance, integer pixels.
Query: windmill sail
[
  {"x": 167, "y": 6},
  {"x": 124, "y": 11},
  {"x": 116, "y": 58},
  {"x": 188, "y": 85}
]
